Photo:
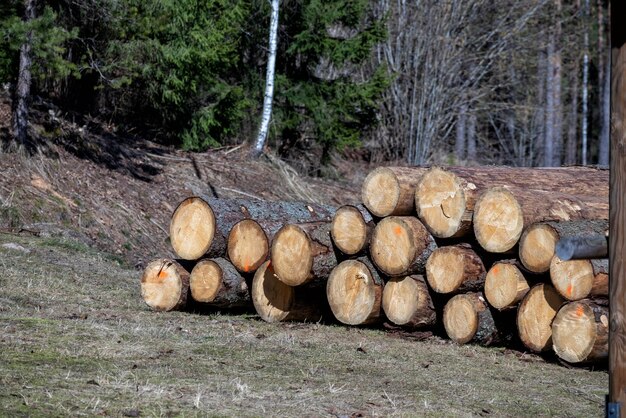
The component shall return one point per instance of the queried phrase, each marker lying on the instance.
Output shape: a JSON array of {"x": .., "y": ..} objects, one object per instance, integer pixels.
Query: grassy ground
[{"x": 76, "y": 339}]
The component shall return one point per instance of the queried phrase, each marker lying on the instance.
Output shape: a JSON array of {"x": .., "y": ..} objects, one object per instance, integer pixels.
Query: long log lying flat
[
  {"x": 407, "y": 302},
  {"x": 445, "y": 197},
  {"x": 505, "y": 285},
  {"x": 165, "y": 285},
  {"x": 216, "y": 282},
  {"x": 455, "y": 269},
  {"x": 580, "y": 279},
  {"x": 351, "y": 229},
  {"x": 390, "y": 191},
  {"x": 501, "y": 213},
  {"x": 535, "y": 315}
]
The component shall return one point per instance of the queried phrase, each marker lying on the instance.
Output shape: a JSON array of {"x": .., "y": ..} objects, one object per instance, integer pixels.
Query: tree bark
[
  {"x": 455, "y": 269},
  {"x": 355, "y": 291},
  {"x": 585, "y": 95},
  {"x": 351, "y": 229},
  {"x": 269, "y": 80},
  {"x": 217, "y": 283},
  {"x": 501, "y": 213},
  {"x": 165, "y": 285},
  {"x": 390, "y": 191},
  {"x": 580, "y": 332},
  {"x": 202, "y": 226},
  {"x": 275, "y": 301},
  {"x": 535, "y": 315},
  {"x": 471, "y": 137},
  {"x": 459, "y": 144},
  {"x": 580, "y": 279},
  {"x": 401, "y": 245},
  {"x": 445, "y": 198},
  {"x": 505, "y": 285},
  {"x": 303, "y": 253},
  {"x": 22, "y": 90},
  {"x": 556, "y": 90},
  {"x": 603, "y": 156},
  {"x": 407, "y": 302},
  {"x": 537, "y": 245},
  {"x": 548, "y": 145},
  {"x": 572, "y": 130}
]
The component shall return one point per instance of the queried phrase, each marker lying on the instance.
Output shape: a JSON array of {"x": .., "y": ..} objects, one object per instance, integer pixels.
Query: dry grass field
[{"x": 77, "y": 340}]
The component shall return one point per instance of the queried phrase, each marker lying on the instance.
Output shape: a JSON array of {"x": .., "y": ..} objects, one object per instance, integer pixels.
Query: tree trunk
[
  {"x": 351, "y": 229},
  {"x": 585, "y": 98},
  {"x": 501, "y": 213},
  {"x": 22, "y": 90},
  {"x": 445, "y": 198},
  {"x": 203, "y": 227},
  {"x": 556, "y": 91},
  {"x": 275, "y": 301},
  {"x": 471, "y": 137},
  {"x": 455, "y": 269},
  {"x": 467, "y": 318},
  {"x": 217, "y": 283},
  {"x": 535, "y": 315},
  {"x": 302, "y": 253},
  {"x": 269, "y": 80},
  {"x": 390, "y": 191},
  {"x": 459, "y": 144},
  {"x": 579, "y": 279},
  {"x": 505, "y": 285},
  {"x": 572, "y": 131},
  {"x": 548, "y": 145},
  {"x": 603, "y": 157},
  {"x": 165, "y": 285},
  {"x": 537, "y": 244},
  {"x": 401, "y": 245},
  {"x": 580, "y": 332},
  {"x": 355, "y": 291},
  {"x": 407, "y": 302}
]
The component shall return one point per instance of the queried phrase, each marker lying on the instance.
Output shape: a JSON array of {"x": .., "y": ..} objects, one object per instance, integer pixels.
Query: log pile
[{"x": 467, "y": 252}]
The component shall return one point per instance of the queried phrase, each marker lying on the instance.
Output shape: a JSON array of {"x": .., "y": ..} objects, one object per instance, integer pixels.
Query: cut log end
[
  {"x": 406, "y": 301},
  {"x": 505, "y": 286},
  {"x": 381, "y": 191},
  {"x": 537, "y": 246},
  {"x": 498, "y": 220},
  {"x": 573, "y": 279},
  {"x": 291, "y": 255},
  {"x": 272, "y": 298},
  {"x": 397, "y": 243},
  {"x": 440, "y": 202},
  {"x": 205, "y": 281},
  {"x": 248, "y": 246},
  {"x": 164, "y": 285},
  {"x": 192, "y": 228},
  {"x": 448, "y": 268},
  {"x": 535, "y": 315},
  {"x": 575, "y": 333},
  {"x": 353, "y": 293},
  {"x": 460, "y": 319},
  {"x": 349, "y": 230}
]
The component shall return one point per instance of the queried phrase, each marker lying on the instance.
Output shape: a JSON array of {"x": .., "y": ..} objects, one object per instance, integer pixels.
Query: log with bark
[
  {"x": 467, "y": 318},
  {"x": 537, "y": 244},
  {"x": 390, "y": 191},
  {"x": 455, "y": 269},
  {"x": 535, "y": 314},
  {"x": 302, "y": 253},
  {"x": 218, "y": 283},
  {"x": 401, "y": 245},
  {"x": 505, "y": 285},
  {"x": 407, "y": 302},
  {"x": 201, "y": 226},
  {"x": 275, "y": 301},
  {"x": 445, "y": 198},
  {"x": 580, "y": 332},
  {"x": 354, "y": 291},
  {"x": 165, "y": 285},
  {"x": 351, "y": 229},
  {"x": 500, "y": 213},
  {"x": 580, "y": 279}
]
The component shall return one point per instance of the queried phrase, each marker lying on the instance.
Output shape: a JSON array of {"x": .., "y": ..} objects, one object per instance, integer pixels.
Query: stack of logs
[{"x": 471, "y": 250}]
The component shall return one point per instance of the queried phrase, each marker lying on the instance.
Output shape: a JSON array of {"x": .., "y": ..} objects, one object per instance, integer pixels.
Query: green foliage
[{"x": 48, "y": 40}]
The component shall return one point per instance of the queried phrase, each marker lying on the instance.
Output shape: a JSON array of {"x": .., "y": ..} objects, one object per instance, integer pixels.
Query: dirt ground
[{"x": 80, "y": 220}]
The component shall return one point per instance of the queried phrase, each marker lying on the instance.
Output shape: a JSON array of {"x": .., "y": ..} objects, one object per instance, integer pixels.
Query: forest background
[{"x": 516, "y": 82}]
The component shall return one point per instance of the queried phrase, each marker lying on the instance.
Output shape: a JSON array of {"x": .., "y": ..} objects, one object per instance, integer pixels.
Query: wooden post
[{"x": 617, "y": 216}]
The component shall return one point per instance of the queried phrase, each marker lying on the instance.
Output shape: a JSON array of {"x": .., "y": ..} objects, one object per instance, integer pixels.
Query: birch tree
[{"x": 269, "y": 81}]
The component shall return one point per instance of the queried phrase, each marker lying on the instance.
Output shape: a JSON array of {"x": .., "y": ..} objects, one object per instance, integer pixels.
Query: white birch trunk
[{"x": 269, "y": 82}]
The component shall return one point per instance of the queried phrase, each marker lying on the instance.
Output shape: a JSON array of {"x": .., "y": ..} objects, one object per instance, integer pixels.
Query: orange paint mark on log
[
  {"x": 569, "y": 290},
  {"x": 162, "y": 274},
  {"x": 496, "y": 270},
  {"x": 580, "y": 310},
  {"x": 246, "y": 266},
  {"x": 397, "y": 230}
]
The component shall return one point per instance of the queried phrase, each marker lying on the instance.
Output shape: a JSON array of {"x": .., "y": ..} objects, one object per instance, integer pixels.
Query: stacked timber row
[{"x": 469, "y": 251}]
